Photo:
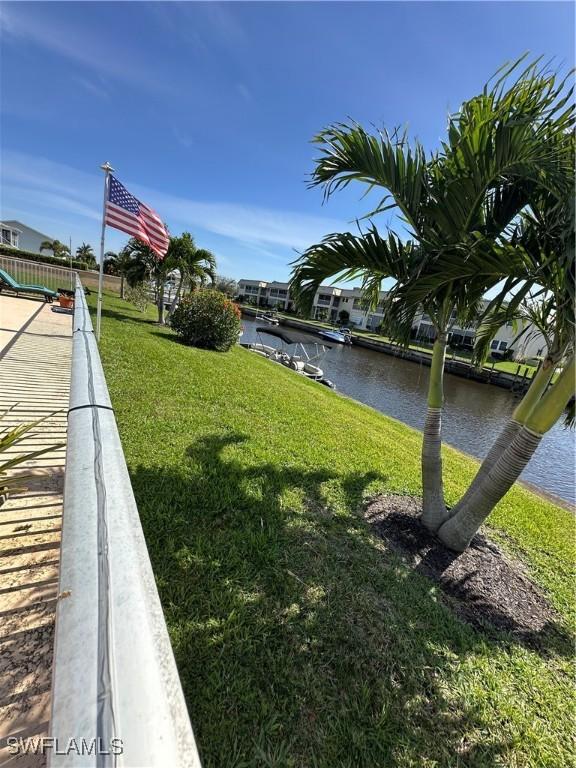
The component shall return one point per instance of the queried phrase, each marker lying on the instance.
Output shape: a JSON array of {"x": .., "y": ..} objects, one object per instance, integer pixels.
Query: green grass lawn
[{"x": 301, "y": 640}]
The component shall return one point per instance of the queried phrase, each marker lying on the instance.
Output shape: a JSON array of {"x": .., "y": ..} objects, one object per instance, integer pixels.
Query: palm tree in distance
[
  {"x": 226, "y": 285},
  {"x": 197, "y": 266},
  {"x": 85, "y": 253},
  {"x": 143, "y": 265},
  {"x": 110, "y": 263},
  {"x": 59, "y": 250}
]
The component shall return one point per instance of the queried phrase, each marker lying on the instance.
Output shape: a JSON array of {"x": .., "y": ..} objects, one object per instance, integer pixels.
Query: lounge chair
[{"x": 7, "y": 281}]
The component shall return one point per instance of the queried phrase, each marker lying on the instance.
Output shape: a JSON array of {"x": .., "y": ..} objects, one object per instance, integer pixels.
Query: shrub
[
  {"x": 344, "y": 316},
  {"x": 138, "y": 296},
  {"x": 207, "y": 319}
]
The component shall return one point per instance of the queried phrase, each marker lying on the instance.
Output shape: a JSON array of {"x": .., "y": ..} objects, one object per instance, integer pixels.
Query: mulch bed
[{"x": 486, "y": 588}]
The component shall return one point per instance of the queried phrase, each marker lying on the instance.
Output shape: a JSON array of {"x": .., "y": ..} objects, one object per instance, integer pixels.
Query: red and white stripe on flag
[{"x": 125, "y": 212}]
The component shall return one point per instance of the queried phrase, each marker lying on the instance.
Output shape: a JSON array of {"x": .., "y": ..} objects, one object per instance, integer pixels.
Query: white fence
[
  {"x": 37, "y": 273},
  {"x": 115, "y": 684}
]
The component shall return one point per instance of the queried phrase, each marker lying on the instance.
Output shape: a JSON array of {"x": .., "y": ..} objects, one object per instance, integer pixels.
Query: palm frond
[
  {"x": 349, "y": 153},
  {"x": 347, "y": 257}
]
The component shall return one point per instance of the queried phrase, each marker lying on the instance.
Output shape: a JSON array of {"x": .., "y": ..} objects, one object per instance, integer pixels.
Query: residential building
[
  {"x": 277, "y": 295},
  {"x": 20, "y": 235},
  {"x": 9, "y": 235},
  {"x": 530, "y": 344},
  {"x": 330, "y": 302}
]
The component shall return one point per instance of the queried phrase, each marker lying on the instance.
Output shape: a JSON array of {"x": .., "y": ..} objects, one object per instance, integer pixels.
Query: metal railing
[
  {"x": 37, "y": 273},
  {"x": 115, "y": 684}
]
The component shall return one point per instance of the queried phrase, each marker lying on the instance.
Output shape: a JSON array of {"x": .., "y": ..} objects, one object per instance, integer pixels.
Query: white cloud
[
  {"x": 95, "y": 89},
  {"x": 99, "y": 51},
  {"x": 245, "y": 92},
  {"x": 54, "y": 187},
  {"x": 184, "y": 139}
]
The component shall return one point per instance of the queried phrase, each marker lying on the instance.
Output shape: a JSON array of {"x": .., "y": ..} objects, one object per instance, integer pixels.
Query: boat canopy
[{"x": 293, "y": 338}]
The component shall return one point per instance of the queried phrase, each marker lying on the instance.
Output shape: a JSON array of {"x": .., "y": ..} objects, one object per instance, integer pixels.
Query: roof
[
  {"x": 10, "y": 224},
  {"x": 16, "y": 224}
]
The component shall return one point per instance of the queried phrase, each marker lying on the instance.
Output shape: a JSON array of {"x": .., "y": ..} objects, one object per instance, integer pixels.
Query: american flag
[{"x": 125, "y": 212}]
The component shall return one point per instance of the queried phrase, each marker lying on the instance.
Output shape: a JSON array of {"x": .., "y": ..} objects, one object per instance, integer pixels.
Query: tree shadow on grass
[
  {"x": 128, "y": 316},
  {"x": 299, "y": 642},
  {"x": 169, "y": 335}
]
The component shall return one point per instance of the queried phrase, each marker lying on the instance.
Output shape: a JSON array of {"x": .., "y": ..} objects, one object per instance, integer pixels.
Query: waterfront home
[
  {"x": 330, "y": 302},
  {"x": 19, "y": 235}
]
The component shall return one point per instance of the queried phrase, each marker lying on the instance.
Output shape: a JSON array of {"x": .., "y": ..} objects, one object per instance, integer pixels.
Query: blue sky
[{"x": 206, "y": 110}]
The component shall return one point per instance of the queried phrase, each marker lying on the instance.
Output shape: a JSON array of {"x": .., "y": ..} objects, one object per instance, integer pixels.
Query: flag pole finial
[{"x": 106, "y": 167}]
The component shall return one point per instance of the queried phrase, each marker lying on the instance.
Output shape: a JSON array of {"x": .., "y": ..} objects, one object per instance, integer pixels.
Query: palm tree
[
  {"x": 110, "y": 266},
  {"x": 197, "y": 266},
  {"x": 122, "y": 264},
  {"x": 226, "y": 285},
  {"x": 546, "y": 237},
  {"x": 85, "y": 253},
  {"x": 59, "y": 250},
  {"x": 463, "y": 199},
  {"x": 143, "y": 264}
]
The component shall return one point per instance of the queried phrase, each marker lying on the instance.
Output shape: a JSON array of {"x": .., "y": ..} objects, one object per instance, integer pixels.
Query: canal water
[{"x": 474, "y": 413}]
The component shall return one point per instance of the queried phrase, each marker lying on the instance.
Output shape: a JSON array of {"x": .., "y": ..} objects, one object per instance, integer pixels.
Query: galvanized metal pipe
[{"x": 115, "y": 684}]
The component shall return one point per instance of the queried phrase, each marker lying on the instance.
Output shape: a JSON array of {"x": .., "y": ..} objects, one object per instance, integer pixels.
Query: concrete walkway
[{"x": 35, "y": 354}]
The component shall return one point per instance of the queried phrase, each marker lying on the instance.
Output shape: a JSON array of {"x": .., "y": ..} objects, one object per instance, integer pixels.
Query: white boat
[
  {"x": 306, "y": 368},
  {"x": 340, "y": 337},
  {"x": 298, "y": 352},
  {"x": 264, "y": 350},
  {"x": 268, "y": 319}
]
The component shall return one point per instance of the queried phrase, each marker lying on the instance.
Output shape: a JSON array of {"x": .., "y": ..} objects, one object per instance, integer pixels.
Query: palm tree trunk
[
  {"x": 458, "y": 531},
  {"x": 122, "y": 289},
  {"x": 160, "y": 299},
  {"x": 511, "y": 429},
  {"x": 176, "y": 299},
  {"x": 434, "y": 511}
]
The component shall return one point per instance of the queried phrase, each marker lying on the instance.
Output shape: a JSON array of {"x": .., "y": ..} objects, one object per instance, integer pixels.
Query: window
[
  {"x": 6, "y": 237},
  {"x": 503, "y": 346},
  {"x": 357, "y": 304},
  {"x": 252, "y": 289},
  {"x": 336, "y": 301},
  {"x": 494, "y": 344},
  {"x": 278, "y": 292},
  {"x": 324, "y": 299}
]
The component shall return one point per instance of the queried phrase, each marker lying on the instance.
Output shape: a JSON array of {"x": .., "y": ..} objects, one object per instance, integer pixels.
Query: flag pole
[{"x": 107, "y": 168}]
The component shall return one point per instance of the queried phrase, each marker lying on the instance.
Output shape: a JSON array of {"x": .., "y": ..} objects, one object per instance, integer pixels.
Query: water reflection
[{"x": 474, "y": 412}]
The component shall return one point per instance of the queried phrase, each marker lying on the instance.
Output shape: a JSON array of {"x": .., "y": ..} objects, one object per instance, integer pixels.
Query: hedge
[{"x": 16, "y": 253}]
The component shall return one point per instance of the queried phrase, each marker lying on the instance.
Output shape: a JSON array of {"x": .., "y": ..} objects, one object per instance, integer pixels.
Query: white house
[
  {"x": 330, "y": 302},
  {"x": 19, "y": 235},
  {"x": 276, "y": 294},
  {"x": 9, "y": 235}
]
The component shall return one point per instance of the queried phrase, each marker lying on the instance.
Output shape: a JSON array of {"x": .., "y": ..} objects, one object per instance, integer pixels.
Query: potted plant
[{"x": 66, "y": 301}]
